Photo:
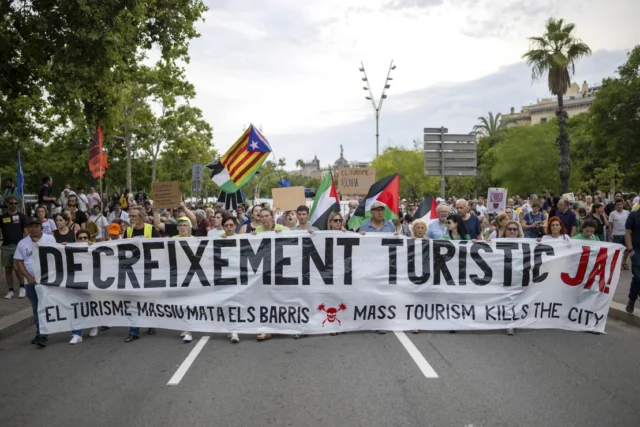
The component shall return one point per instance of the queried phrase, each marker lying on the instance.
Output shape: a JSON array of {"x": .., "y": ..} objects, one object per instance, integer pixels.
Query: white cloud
[{"x": 292, "y": 66}]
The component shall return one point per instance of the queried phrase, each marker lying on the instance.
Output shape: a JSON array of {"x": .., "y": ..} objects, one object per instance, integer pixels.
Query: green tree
[
  {"x": 490, "y": 125},
  {"x": 555, "y": 53},
  {"x": 410, "y": 165},
  {"x": 525, "y": 160},
  {"x": 615, "y": 122}
]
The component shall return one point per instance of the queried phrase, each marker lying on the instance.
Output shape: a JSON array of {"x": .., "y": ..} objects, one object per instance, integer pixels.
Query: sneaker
[
  {"x": 9, "y": 295},
  {"x": 630, "y": 306},
  {"x": 131, "y": 338},
  {"x": 235, "y": 338},
  {"x": 93, "y": 332},
  {"x": 76, "y": 339},
  {"x": 22, "y": 293},
  {"x": 187, "y": 337},
  {"x": 510, "y": 331},
  {"x": 42, "y": 341}
]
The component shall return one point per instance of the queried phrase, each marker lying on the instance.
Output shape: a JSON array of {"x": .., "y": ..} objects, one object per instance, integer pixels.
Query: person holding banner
[
  {"x": 501, "y": 226},
  {"x": 456, "y": 228},
  {"x": 377, "y": 223},
  {"x": 24, "y": 264},
  {"x": 336, "y": 222},
  {"x": 588, "y": 230},
  {"x": 63, "y": 234},
  {"x": 302, "y": 214},
  {"x": 184, "y": 232},
  {"x": 82, "y": 236},
  {"x": 266, "y": 215},
  {"x": 256, "y": 220},
  {"x": 229, "y": 224},
  {"x": 139, "y": 229},
  {"x": 555, "y": 230}
]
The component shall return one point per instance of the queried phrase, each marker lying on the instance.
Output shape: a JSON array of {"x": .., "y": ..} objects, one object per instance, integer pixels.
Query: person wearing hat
[
  {"x": 24, "y": 264},
  {"x": 114, "y": 231},
  {"x": 377, "y": 223}
]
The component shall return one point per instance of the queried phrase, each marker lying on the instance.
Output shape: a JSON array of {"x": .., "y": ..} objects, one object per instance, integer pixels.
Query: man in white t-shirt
[
  {"x": 618, "y": 219},
  {"x": 100, "y": 221},
  {"x": 24, "y": 262},
  {"x": 481, "y": 208}
]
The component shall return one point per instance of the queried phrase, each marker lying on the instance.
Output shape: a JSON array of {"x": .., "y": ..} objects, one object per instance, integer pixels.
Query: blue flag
[{"x": 20, "y": 179}]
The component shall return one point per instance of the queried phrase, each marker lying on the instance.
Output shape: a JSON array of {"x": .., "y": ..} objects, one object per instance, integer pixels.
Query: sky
[{"x": 292, "y": 66}]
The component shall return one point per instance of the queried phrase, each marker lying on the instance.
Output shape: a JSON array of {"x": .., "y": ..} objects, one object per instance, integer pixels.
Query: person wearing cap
[
  {"x": 567, "y": 216},
  {"x": 139, "y": 229},
  {"x": 114, "y": 231},
  {"x": 24, "y": 264},
  {"x": 377, "y": 223},
  {"x": 172, "y": 229}
]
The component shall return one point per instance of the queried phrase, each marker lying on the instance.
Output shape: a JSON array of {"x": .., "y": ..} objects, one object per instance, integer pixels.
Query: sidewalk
[{"x": 15, "y": 313}]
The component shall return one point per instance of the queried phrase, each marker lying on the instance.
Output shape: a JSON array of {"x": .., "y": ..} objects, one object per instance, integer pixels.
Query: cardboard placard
[
  {"x": 288, "y": 198},
  {"x": 355, "y": 180},
  {"x": 166, "y": 195},
  {"x": 569, "y": 196},
  {"x": 496, "y": 199}
]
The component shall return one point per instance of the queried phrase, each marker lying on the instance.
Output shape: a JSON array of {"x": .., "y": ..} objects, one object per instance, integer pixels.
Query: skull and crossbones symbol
[{"x": 331, "y": 313}]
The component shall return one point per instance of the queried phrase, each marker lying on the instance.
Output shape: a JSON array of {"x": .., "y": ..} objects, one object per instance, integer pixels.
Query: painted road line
[
  {"x": 177, "y": 377},
  {"x": 417, "y": 357}
]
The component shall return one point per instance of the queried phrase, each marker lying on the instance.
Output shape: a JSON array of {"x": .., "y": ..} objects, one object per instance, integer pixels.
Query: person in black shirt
[
  {"x": 44, "y": 194},
  {"x": 141, "y": 196},
  {"x": 78, "y": 216},
  {"x": 13, "y": 225}
]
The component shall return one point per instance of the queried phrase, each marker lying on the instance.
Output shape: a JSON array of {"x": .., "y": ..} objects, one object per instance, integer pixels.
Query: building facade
[{"x": 577, "y": 100}]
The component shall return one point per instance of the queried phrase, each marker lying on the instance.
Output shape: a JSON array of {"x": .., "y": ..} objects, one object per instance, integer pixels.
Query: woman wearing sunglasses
[
  {"x": 83, "y": 237},
  {"x": 456, "y": 228},
  {"x": 335, "y": 222}
]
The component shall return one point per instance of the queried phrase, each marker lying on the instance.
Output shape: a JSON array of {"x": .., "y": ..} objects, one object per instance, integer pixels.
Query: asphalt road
[{"x": 485, "y": 379}]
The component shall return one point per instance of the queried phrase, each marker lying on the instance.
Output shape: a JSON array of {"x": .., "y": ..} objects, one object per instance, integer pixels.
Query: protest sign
[
  {"x": 166, "y": 195},
  {"x": 355, "y": 180},
  {"x": 294, "y": 283},
  {"x": 569, "y": 196},
  {"x": 288, "y": 198},
  {"x": 496, "y": 200}
]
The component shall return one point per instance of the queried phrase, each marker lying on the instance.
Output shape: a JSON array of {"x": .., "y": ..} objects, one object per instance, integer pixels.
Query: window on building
[{"x": 543, "y": 120}]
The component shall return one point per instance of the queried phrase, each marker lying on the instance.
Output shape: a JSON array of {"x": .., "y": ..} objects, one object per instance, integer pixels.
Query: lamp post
[{"x": 378, "y": 107}]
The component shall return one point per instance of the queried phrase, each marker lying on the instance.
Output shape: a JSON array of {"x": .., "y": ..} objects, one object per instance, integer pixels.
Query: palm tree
[
  {"x": 555, "y": 53},
  {"x": 490, "y": 125}
]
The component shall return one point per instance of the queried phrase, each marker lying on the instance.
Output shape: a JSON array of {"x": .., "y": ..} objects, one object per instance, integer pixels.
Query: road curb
[
  {"x": 16, "y": 322},
  {"x": 617, "y": 311}
]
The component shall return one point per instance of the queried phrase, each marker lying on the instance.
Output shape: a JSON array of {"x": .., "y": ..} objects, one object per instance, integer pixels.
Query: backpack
[{"x": 123, "y": 202}]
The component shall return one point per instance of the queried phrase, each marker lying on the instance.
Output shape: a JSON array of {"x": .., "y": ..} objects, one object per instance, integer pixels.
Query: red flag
[{"x": 97, "y": 158}]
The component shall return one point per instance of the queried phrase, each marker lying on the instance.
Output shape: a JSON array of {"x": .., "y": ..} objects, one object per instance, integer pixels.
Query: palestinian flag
[
  {"x": 427, "y": 210},
  {"x": 326, "y": 201},
  {"x": 386, "y": 191}
]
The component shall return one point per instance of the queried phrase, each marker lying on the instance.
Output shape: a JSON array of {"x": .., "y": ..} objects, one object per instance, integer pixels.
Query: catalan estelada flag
[{"x": 241, "y": 162}]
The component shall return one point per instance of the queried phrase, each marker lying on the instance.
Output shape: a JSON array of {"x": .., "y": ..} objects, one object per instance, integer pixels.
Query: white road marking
[
  {"x": 417, "y": 357},
  {"x": 182, "y": 370}
]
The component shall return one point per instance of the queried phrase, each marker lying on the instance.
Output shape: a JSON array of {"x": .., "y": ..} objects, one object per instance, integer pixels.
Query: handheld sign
[
  {"x": 166, "y": 195},
  {"x": 355, "y": 180},
  {"x": 569, "y": 196},
  {"x": 287, "y": 199},
  {"x": 496, "y": 199}
]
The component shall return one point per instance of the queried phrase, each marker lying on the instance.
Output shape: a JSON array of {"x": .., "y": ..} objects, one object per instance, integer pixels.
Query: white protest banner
[
  {"x": 496, "y": 199},
  {"x": 293, "y": 282}
]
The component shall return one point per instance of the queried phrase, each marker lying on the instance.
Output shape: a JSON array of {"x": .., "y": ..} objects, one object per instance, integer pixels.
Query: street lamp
[{"x": 377, "y": 108}]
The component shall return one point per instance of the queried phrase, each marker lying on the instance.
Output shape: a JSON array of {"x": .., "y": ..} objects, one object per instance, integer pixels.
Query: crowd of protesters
[{"x": 85, "y": 218}]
